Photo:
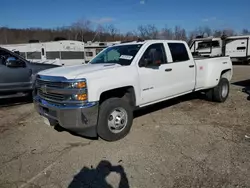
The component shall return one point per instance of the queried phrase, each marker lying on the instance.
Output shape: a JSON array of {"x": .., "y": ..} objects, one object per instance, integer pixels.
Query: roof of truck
[{"x": 149, "y": 41}]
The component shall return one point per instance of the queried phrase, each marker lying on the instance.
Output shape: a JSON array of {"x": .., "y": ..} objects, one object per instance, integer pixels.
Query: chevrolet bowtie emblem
[{"x": 44, "y": 89}]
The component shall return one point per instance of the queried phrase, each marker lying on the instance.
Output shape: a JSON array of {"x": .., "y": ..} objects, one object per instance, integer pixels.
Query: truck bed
[{"x": 209, "y": 70}]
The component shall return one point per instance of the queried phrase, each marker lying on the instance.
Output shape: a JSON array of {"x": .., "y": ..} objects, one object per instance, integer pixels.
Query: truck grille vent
[
  {"x": 48, "y": 95},
  {"x": 52, "y": 84},
  {"x": 52, "y": 96}
]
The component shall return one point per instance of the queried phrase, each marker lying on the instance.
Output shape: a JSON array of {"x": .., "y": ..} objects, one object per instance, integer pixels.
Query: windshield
[{"x": 122, "y": 55}]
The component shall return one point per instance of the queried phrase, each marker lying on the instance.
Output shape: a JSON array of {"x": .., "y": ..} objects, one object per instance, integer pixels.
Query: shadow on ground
[
  {"x": 96, "y": 177},
  {"x": 246, "y": 86},
  {"x": 15, "y": 101},
  {"x": 146, "y": 110},
  {"x": 168, "y": 103}
]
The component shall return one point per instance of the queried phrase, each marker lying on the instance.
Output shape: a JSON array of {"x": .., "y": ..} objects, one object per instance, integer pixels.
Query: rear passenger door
[{"x": 181, "y": 69}]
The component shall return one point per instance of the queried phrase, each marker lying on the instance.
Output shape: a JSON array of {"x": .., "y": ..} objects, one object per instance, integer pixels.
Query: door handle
[
  {"x": 191, "y": 66},
  {"x": 168, "y": 70}
]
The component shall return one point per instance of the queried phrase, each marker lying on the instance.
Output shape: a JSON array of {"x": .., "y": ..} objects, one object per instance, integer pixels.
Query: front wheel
[{"x": 115, "y": 119}]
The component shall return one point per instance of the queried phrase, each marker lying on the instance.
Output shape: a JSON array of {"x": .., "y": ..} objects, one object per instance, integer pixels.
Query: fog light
[{"x": 81, "y": 97}]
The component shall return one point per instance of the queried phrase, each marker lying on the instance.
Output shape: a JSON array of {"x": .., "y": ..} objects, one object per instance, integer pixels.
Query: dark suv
[{"x": 17, "y": 74}]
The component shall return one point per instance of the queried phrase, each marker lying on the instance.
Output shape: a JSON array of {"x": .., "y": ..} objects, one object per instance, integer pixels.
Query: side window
[
  {"x": 89, "y": 54},
  {"x": 178, "y": 52},
  {"x": 215, "y": 44},
  {"x": 53, "y": 55},
  {"x": 34, "y": 55},
  {"x": 72, "y": 55},
  {"x": 154, "y": 52},
  {"x": 98, "y": 50}
]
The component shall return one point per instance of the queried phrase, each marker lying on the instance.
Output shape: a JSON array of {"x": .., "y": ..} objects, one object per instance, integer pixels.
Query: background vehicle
[
  {"x": 17, "y": 74},
  {"x": 64, "y": 53},
  {"x": 99, "y": 98},
  {"x": 93, "y": 48},
  {"x": 237, "y": 47}
]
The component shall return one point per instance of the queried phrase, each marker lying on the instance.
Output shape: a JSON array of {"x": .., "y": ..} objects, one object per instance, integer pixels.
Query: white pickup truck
[{"x": 98, "y": 99}]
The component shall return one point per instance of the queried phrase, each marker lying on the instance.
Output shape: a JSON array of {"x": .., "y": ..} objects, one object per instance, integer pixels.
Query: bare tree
[
  {"x": 180, "y": 34},
  {"x": 148, "y": 32},
  {"x": 112, "y": 31},
  {"x": 83, "y": 30},
  {"x": 245, "y": 32},
  {"x": 80, "y": 28},
  {"x": 217, "y": 33},
  {"x": 166, "y": 33},
  {"x": 229, "y": 32}
]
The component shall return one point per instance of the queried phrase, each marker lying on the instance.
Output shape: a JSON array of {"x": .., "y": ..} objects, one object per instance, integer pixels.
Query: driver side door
[{"x": 13, "y": 78}]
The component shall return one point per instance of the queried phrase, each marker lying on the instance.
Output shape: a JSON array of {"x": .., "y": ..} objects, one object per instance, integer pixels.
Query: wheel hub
[
  {"x": 117, "y": 120},
  {"x": 224, "y": 90}
]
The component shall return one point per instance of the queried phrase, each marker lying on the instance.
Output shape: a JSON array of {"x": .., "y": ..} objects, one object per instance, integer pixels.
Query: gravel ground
[{"x": 185, "y": 142}]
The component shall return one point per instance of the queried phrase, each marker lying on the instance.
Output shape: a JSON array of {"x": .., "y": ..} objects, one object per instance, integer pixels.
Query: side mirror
[{"x": 13, "y": 62}]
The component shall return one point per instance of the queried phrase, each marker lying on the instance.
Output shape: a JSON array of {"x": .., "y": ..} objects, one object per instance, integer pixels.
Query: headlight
[
  {"x": 79, "y": 85},
  {"x": 82, "y": 86}
]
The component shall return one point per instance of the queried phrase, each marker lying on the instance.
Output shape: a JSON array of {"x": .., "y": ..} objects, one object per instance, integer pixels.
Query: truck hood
[
  {"x": 37, "y": 67},
  {"x": 72, "y": 72}
]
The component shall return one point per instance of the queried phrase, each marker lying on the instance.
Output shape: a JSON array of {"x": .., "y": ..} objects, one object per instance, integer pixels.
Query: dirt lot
[{"x": 186, "y": 142}]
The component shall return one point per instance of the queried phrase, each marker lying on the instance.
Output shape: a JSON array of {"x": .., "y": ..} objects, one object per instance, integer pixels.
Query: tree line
[{"x": 83, "y": 30}]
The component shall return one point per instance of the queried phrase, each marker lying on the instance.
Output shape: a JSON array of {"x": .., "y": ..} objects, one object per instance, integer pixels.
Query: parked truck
[
  {"x": 98, "y": 99},
  {"x": 17, "y": 75}
]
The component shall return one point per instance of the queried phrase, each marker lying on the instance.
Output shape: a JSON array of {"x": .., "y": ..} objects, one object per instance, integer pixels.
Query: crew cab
[
  {"x": 98, "y": 99},
  {"x": 17, "y": 74}
]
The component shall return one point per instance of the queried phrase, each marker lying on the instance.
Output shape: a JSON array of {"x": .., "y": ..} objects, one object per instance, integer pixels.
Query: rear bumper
[{"x": 79, "y": 119}]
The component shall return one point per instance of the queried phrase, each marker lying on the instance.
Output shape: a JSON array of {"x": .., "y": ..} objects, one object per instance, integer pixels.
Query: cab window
[
  {"x": 152, "y": 51},
  {"x": 178, "y": 51}
]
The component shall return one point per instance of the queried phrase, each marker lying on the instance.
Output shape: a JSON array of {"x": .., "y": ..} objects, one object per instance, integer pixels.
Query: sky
[{"x": 126, "y": 15}]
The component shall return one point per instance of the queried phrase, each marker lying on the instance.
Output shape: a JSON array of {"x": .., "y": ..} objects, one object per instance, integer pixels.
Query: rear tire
[
  {"x": 115, "y": 119},
  {"x": 220, "y": 92}
]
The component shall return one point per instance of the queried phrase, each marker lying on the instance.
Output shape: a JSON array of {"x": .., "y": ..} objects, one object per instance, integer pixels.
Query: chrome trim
[
  {"x": 58, "y": 79},
  {"x": 81, "y": 119},
  {"x": 46, "y": 103},
  {"x": 66, "y": 91},
  {"x": 63, "y": 102}
]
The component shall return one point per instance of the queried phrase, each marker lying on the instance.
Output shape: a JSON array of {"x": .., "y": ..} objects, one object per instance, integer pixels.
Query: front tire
[{"x": 115, "y": 119}]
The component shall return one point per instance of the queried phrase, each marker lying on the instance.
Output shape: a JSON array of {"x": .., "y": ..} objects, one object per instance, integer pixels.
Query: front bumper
[{"x": 79, "y": 119}]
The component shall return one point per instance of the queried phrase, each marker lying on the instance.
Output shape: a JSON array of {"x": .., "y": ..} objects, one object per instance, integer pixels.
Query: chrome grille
[
  {"x": 49, "y": 95},
  {"x": 39, "y": 83},
  {"x": 52, "y": 96}
]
